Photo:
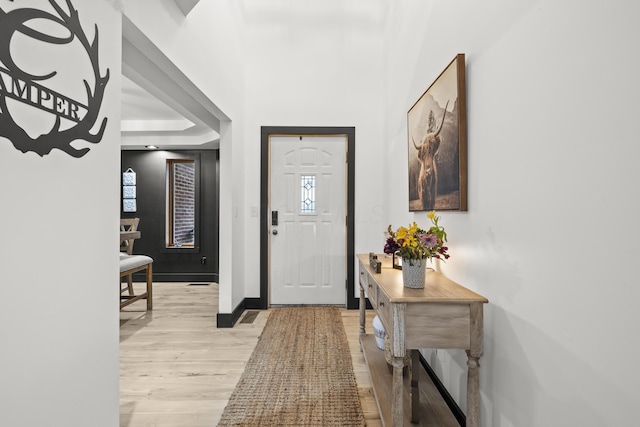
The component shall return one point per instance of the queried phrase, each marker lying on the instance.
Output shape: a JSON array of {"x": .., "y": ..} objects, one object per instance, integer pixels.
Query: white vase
[
  {"x": 413, "y": 272},
  {"x": 378, "y": 332}
]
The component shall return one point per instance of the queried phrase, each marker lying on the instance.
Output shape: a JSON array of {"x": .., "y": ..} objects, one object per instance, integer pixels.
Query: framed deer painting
[{"x": 437, "y": 139}]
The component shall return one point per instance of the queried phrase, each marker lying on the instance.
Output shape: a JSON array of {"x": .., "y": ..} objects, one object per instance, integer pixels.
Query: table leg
[
  {"x": 397, "y": 391},
  {"x": 473, "y": 365},
  {"x": 473, "y": 391},
  {"x": 363, "y": 307},
  {"x": 415, "y": 391}
]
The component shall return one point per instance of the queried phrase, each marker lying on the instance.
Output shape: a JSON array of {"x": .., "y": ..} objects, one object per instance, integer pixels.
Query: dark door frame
[{"x": 265, "y": 133}]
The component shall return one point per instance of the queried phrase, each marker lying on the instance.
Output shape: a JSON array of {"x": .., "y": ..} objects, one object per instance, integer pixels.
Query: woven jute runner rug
[{"x": 300, "y": 374}]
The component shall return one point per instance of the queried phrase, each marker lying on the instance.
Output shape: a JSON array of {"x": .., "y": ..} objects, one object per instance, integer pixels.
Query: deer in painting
[{"x": 428, "y": 178}]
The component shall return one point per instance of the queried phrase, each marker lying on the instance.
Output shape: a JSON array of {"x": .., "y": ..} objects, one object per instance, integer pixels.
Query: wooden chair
[
  {"x": 126, "y": 246},
  {"x": 130, "y": 263},
  {"x": 128, "y": 224}
]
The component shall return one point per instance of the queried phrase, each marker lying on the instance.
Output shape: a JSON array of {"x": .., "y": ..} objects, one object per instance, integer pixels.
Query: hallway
[{"x": 178, "y": 369}]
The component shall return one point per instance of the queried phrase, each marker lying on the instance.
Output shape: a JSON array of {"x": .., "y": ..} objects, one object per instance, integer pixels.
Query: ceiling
[
  {"x": 140, "y": 105},
  {"x": 161, "y": 106},
  {"x": 146, "y": 120}
]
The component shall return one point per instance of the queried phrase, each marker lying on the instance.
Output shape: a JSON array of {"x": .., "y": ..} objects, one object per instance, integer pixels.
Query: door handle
[{"x": 274, "y": 232}]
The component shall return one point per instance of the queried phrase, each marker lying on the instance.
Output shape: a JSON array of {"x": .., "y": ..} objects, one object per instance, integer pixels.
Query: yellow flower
[
  {"x": 410, "y": 241},
  {"x": 402, "y": 233}
]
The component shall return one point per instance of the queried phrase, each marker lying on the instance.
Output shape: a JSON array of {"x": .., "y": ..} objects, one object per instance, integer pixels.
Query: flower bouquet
[{"x": 414, "y": 244}]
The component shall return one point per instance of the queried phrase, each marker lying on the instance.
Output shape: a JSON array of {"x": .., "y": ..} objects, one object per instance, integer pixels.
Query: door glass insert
[{"x": 307, "y": 194}]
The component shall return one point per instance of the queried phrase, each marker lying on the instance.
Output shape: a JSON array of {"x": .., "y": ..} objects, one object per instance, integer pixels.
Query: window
[
  {"x": 307, "y": 194},
  {"x": 181, "y": 203}
]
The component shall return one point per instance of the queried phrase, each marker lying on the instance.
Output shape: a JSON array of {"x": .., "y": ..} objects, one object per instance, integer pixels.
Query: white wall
[
  {"x": 551, "y": 231},
  {"x": 551, "y": 234},
  {"x": 276, "y": 64},
  {"x": 315, "y": 64},
  {"x": 207, "y": 46},
  {"x": 58, "y": 298}
]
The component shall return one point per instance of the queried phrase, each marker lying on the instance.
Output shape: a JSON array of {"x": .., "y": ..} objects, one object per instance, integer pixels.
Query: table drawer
[
  {"x": 369, "y": 285},
  {"x": 364, "y": 278},
  {"x": 384, "y": 309},
  {"x": 372, "y": 292}
]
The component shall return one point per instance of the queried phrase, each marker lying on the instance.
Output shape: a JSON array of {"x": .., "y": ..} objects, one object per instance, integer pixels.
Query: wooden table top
[{"x": 437, "y": 288}]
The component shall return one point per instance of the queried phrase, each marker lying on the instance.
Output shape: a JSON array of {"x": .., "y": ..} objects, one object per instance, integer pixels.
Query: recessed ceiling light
[{"x": 151, "y": 147}]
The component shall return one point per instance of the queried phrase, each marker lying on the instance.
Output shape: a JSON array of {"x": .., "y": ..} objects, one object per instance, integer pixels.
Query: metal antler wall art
[{"x": 29, "y": 89}]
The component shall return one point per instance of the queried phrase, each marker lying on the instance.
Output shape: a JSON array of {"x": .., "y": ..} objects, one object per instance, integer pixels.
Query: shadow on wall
[
  {"x": 527, "y": 378},
  {"x": 550, "y": 381}
]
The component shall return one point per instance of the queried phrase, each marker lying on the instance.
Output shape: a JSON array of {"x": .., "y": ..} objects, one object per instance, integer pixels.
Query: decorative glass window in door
[{"x": 308, "y": 194}]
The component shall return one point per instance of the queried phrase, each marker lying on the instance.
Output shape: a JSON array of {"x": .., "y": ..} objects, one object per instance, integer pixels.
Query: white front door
[{"x": 307, "y": 219}]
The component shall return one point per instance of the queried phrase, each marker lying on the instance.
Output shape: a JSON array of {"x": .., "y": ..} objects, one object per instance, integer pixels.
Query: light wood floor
[{"x": 178, "y": 369}]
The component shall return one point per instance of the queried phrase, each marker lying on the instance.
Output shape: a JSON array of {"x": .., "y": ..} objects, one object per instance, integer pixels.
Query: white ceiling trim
[
  {"x": 155, "y": 125},
  {"x": 170, "y": 140}
]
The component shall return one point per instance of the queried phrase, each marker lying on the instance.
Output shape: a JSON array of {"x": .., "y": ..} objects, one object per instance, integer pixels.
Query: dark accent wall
[{"x": 200, "y": 264}]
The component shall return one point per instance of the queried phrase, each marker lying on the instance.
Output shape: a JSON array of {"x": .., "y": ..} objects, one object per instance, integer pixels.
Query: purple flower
[
  {"x": 428, "y": 240},
  {"x": 391, "y": 246}
]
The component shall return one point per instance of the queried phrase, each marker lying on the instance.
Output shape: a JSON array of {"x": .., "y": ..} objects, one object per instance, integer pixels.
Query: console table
[{"x": 441, "y": 315}]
